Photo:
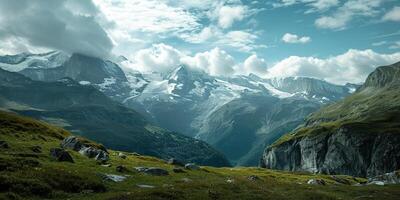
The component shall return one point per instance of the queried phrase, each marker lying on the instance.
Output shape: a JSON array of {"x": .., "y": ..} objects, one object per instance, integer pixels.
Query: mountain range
[{"x": 239, "y": 116}]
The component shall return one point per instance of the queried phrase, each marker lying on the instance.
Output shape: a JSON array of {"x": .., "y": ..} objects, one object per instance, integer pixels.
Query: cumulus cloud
[
  {"x": 293, "y": 38},
  {"x": 216, "y": 62},
  {"x": 255, "y": 65},
  {"x": 67, "y": 25},
  {"x": 349, "y": 10},
  {"x": 227, "y": 15},
  {"x": 393, "y": 14},
  {"x": 159, "y": 58},
  {"x": 352, "y": 66}
]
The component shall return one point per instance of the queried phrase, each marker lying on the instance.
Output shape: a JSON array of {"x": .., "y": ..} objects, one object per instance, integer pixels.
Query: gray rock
[
  {"x": 145, "y": 186},
  {"x": 388, "y": 178},
  {"x": 253, "y": 178},
  {"x": 121, "y": 155},
  {"x": 113, "y": 177},
  {"x": 192, "y": 166},
  {"x": 174, "y": 161},
  {"x": 92, "y": 152},
  {"x": 4, "y": 145},
  {"x": 72, "y": 142},
  {"x": 347, "y": 150},
  {"x": 61, "y": 155},
  {"x": 178, "y": 170},
  {"x": 121, "y": 169},
  {"x": 156, "y": 171},
  {"x": 141, "y": 169},
  {"x": 341, "y": 180},
  {"x": 380, "y": 183},
  {"x": 186, "y": 180},
  {"x": 316, "y": 182}
]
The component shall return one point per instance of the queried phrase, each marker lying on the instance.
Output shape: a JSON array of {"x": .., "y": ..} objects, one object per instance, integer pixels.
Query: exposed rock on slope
[{"x": 357, "y": 136}]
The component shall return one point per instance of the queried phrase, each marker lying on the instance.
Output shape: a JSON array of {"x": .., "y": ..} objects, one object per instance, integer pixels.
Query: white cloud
[
  {"x": 159, "y": 58},
  {"x": 393, "y": 15},
  {"x": 293, "y": 38},
  {"x": 395, "y": 45},
  {"x": 68, "y": 25},
  {"x": 216, "y": 62},
  {"x": 315, "y": 5},
  {"x": 227, "y": 15},
  {"x": 377, "y": 44},
  {"x": 255, "y": 65},
  {"x": 349, "y": 10},
  {"x": 352, "y": 66}
]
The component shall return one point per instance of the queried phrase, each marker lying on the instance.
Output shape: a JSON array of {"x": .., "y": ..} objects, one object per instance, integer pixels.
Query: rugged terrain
[
  {"x": 28, "y": 171},
  {"x": 358, "y": 136},
  {"x": 85, "y": 111}
]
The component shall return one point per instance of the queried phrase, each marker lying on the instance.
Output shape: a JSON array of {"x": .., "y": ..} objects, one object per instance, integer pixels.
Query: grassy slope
[{"x": 26, "y": 174}]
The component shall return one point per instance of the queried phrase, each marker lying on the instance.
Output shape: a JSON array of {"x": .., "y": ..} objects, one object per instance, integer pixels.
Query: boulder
[
  {"x": 121, "y": 169},
  {"x": 121, "y": 155},
  {"x": 388, "y": 178},
  {"x": 113, "y": 177},
  {"x": 253, "y": 178},
  {"x": 145, "y": 186},
  {"x": 72, "y": 142},
  {"x": 340, "y": 180},
  {"x": 192, "y": 166},
  {"x": 4, "y": 145},
  {"x": 178, "y": 170},
  {"x": 316, "y": 182},
  {"x": 174, "y": 161},
  {"x": 60, "y": 155},
  {"x": 186, "y": 180},
  {"x": 141, "y": 169},
  {"x": 156, "y": 171},
  {"x": 92, "y": 152}
]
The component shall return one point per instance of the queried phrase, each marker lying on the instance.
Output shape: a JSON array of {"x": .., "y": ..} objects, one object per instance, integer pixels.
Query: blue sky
[{"x": 339, "y": 41}]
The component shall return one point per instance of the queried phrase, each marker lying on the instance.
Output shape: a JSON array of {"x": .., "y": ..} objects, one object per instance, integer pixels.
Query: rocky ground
[{"x": 38, "y": 161}]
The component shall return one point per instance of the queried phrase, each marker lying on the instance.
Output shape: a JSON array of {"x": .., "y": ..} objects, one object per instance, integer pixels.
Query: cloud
[
  {"x": 293, "y": 38},
  {"x": 377, "y": 44},
  {"x": 315, "y": 5},
  {"x": 67, "y": 25},
  {"x": 240, "y": 40},
  {"x": 227, "y": 15},
  {"x": 349, "y": 10},
  {"x": 393, "y": 15},
  {"x": 352, "y": 66},
  {"x": 255, "y": 65},
  {"x": 159, "y": 58},
  {"x": 216, "y": 62},
  {"x": 395, "y": 45}
]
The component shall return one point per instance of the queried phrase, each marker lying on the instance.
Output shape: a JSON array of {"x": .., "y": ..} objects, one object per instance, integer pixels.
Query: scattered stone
[
  {"x": 134, "y": 154},
  {"x": 36, "y": 149},
  {"x": 156, "y": 171},
  {"x": 113, "y": 177},
  {"x": 178, "y": 170},
  {"x": 316, "y": 182},
  {"x": 388, "y": 178},
  {"x": 380, "y": 183},
  {"x": 121, "y": 155},
  {"x": 4, "y": 145},
  {"x": 174, "y": 161},
  {"x": 92, "y": 152},
  {"x": 230, "y": 181},
  {"x": 192, "y": 166},
  {"x": 141, "y": 169},
  {"x": 72, "y": 142},
  {"x": 61, "y": 155},
  {"x": 121, "y": 169},
  {"x": 106, "y": 165},
  {"x": 253, "y": 178},
  {"x": 145, "y": 186},
  {"x": 340, "y": 180},
  {"x": 186, "y": 180}
]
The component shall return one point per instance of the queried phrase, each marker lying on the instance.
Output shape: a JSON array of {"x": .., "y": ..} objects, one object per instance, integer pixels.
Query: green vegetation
[{"x": 28, "y": 172}]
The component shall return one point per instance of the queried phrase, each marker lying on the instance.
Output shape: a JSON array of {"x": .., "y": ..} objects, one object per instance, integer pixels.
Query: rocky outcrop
[
  {"x": 76, "y": 144},
  {"x": 348, "y": 150},
  {"x": 61, "y": 155}
]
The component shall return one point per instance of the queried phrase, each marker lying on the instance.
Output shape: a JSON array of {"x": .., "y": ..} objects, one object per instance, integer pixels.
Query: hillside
[
  {"x": 29, "y": 172},
  {"x": 357, "y": 136},
  {"x": 85, "y": 111}
]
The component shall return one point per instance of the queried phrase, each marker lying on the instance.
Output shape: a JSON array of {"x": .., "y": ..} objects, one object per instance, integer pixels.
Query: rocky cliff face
[{"x": 358, "y": 136}]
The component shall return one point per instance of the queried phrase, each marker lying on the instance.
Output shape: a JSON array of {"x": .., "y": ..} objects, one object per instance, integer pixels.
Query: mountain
[
  {"x": 209, "y": 108},
  {"x": 85, "y": 111},
  {"x": 358, "y": 136}
]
